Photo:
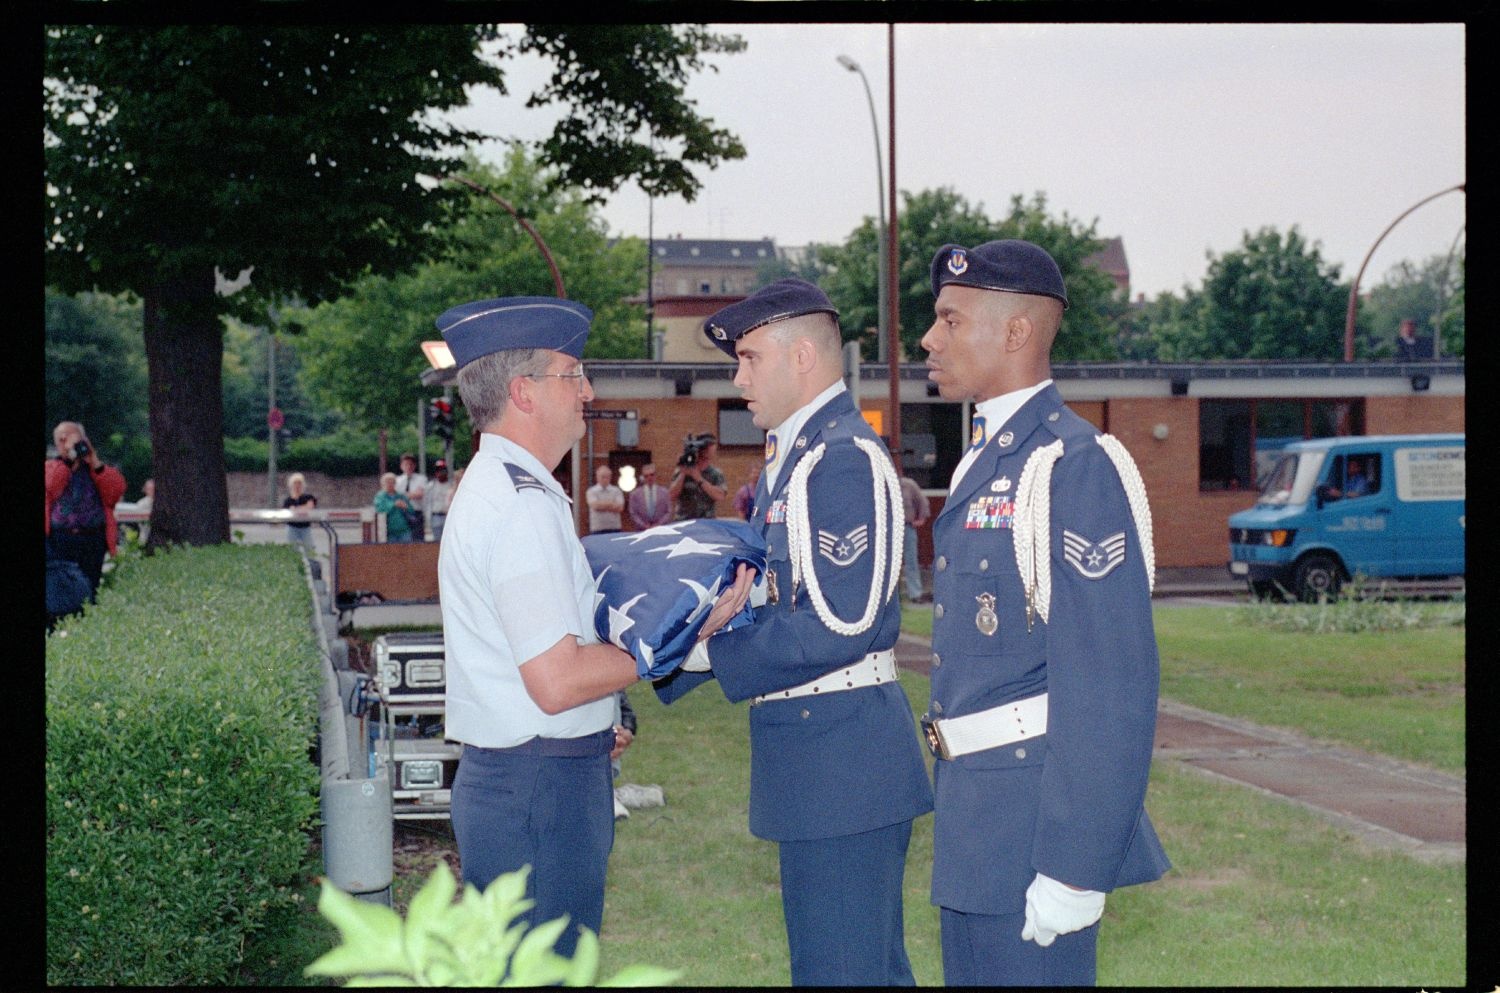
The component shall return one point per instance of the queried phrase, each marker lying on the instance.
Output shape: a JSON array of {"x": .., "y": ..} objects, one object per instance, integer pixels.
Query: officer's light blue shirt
[{"x": 513, "y": 580}]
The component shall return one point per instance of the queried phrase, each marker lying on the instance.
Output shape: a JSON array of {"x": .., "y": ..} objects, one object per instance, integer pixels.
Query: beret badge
[{"x": 958, "y": 262}]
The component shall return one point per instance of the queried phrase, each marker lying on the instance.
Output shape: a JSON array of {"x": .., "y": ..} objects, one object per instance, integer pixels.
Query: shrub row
[{"x": 180, "y": 714}]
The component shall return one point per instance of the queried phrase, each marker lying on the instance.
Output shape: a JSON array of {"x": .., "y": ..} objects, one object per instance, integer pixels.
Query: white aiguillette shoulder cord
[
  {"x": 888, "y": 540},
  {"x": 1033, "y": 519}
]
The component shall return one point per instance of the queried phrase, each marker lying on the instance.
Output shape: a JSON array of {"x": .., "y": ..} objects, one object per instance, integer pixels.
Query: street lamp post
[
  {"x": 1354, "y": 290},
  {"x": 853, "y": 66}
]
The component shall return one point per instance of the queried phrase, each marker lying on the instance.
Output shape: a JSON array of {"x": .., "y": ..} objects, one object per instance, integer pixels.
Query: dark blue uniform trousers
[
  {"x": 987, "y": 950},
  {"x": 842, "y": 900},
  {"x": 553, "y": 813}
]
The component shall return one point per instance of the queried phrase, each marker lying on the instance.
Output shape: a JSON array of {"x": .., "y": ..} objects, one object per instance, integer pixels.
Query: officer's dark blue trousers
[
  {"x": 842, "y": 900},
  {"x": 554, "y": 813},
  {"x": 987, "y": 950}
]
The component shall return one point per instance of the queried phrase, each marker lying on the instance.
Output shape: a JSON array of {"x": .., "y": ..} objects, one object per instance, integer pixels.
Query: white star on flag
[
  {"x": 688, "y": 546},
  {"x": 620, "y": 619}
]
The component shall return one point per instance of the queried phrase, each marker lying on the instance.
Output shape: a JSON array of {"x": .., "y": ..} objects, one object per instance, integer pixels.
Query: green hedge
[
  {"x": 347, "y": 453},
  {"x": 181, "y": 711}
]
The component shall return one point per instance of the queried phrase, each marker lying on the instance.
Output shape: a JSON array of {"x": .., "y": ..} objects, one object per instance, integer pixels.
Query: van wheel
[{"x": 1317, "y": 576}]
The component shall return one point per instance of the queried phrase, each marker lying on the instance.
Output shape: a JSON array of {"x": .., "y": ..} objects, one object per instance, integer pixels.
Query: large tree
[
  {"x": 175, "y": 151},
  {"x": 932, "y": 218},
  {"x": 1274, "y": 297},
  {"x": 362, "y": 351}
]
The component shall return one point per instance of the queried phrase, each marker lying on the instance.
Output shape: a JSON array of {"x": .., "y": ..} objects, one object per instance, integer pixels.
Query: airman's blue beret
[
  {"x": 779, "y": 301},
  {"x": 1010, "y": 266},
  {"x": 476, "y": 329}
]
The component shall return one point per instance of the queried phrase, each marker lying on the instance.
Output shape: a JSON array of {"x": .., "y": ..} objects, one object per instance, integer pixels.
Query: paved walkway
[{"x": 1384, "y": 802}]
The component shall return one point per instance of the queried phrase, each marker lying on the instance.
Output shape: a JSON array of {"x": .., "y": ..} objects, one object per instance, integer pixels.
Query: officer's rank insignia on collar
[
  {"x": 842, "y": 551},
  {"x": 522, "y": 479},
  {"x": 958, "y": 262},
  {"x": 1093, "y": 560}
]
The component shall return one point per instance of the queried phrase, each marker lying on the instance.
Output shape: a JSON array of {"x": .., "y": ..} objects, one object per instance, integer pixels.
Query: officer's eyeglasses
[{"x": 576, "y": 375}]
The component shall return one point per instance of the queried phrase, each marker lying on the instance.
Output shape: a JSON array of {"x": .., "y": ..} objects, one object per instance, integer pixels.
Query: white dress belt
[
  {"x": 1018, "y": 720},
  {"x": 875, "y": 668}
]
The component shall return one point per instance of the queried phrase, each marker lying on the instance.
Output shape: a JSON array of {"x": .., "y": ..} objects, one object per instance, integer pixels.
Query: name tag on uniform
[
  {"x": 776, "y": 513},
  {"x": 991, "y": 512}
]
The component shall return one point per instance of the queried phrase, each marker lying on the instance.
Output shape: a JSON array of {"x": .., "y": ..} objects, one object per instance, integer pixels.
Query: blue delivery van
[{"x": 1376, "y": 506}]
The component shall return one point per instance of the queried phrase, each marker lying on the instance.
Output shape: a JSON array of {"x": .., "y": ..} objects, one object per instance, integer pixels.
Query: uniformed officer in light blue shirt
[
  {"x": 1044, "y": 664},
  {"x": 836, "y": 774},
  {"x": 530, "y": 687}
]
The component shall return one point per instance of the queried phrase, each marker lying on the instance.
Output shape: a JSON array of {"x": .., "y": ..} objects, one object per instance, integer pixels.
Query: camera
[
  {"x": 692, "y": 446},
  {"x": 81, "y": 450}
]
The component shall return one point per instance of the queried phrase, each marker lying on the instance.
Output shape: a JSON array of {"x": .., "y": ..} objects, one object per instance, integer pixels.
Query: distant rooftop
[{"x": 713, "y": 251}]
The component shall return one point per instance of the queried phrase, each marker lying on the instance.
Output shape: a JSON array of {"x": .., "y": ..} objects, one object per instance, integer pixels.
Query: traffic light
[{"x": 440, "y": 415}]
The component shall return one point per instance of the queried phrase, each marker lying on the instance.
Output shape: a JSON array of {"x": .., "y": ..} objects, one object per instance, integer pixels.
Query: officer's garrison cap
[
  {"x": 779, "y": 301},
  {"x": 1010, "y": 266},
  {"x": 476, "y": 329}
]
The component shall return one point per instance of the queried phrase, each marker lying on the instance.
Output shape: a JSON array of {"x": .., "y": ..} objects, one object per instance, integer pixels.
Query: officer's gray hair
[{"x": 484, "y": 384}]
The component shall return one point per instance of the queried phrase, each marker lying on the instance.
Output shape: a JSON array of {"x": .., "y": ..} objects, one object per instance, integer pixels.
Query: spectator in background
[
  {"x": 917, "y": 509},
  {"x": 439, "y": 495},
  {"x": 606, "y": 502},
  {"x": 298, "y": 500},
  {"x": 744, "y": 500},
  {"x": 81, "y": 495},
  {"x": 413, "y": 485},
  {"x": 148, "y": 496},
  {"x": 650, "y": 503},
  {"x": 696, "y": 488},
  {"x": 395, "y": 507},
  {"x": 1408, "y": 346}
]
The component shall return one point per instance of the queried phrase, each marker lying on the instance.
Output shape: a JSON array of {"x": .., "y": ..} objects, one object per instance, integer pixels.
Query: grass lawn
[{"x": 1262, "y": 893}]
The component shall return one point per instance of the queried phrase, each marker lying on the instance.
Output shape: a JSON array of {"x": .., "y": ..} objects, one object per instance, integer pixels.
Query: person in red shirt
[{"x": 81, "y": 495}]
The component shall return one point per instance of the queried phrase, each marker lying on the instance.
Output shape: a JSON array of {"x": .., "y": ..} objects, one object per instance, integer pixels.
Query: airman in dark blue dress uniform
[
  {"x": 837, "y": 774},
  {"x": 1044, "y": 679}
]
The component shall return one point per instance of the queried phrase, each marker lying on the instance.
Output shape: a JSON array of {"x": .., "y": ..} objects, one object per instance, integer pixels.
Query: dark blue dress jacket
[
  {"x": 827, "y": 765},
  {"x": 1068, "y": 803}
]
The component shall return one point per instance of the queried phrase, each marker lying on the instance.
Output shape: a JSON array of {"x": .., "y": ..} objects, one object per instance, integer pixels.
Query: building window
[
  {"x": 705, "y": 287},
  {"x": 1239, "y": 440},
  {"x": 737, "y": 425}
]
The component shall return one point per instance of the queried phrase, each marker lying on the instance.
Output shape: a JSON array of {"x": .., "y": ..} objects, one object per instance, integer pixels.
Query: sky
[{"x": 1177, "y": 138}]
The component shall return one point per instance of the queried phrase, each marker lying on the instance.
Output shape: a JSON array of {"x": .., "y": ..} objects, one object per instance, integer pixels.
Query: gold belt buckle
[{"x": 935, "y": 742}]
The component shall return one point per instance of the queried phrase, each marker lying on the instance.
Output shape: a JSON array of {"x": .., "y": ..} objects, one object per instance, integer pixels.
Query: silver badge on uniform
[
  {"x": 1006, "y": 438},
  {"x": 1000, "y": 485},
  {"x": 1093, "y": 560},
  {"x": 987, "y": 621}
]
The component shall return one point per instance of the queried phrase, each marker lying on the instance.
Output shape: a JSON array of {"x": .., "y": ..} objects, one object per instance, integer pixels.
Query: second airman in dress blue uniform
[
  {"x": 1044, "y": 679},
  {"x": 837, "y": 775}
]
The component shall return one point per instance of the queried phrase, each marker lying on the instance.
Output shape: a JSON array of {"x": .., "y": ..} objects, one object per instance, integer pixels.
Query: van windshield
[{"x": 1290, "y": 481}]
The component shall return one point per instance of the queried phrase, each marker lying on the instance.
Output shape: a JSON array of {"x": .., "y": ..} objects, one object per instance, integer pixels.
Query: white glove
[
  {"x": 1054, "y": 908},
  {"x": 697, "y": 660}
]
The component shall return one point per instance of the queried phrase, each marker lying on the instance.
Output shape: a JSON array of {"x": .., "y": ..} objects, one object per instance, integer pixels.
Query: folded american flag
[{"x": 657, "y": 587}]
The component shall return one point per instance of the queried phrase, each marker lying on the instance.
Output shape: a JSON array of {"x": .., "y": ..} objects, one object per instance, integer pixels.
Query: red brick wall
[{"x": 1414, "y": 413}]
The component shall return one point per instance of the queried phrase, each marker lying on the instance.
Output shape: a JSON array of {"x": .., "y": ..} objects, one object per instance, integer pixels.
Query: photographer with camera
[
  {"x": 697, "y": 484},
  {"x": 81, "y": 495}
]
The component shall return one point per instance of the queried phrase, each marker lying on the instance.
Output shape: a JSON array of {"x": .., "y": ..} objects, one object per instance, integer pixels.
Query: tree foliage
[
  {"x": 363, "y": 351},
  {"x": 96, "y": 374},
  {"x": 1272, "y": 298},
  {"x": 1430, "y": 292},
  {"x": 172, "y": 151},
  {"x": 932, "y": 218}
]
